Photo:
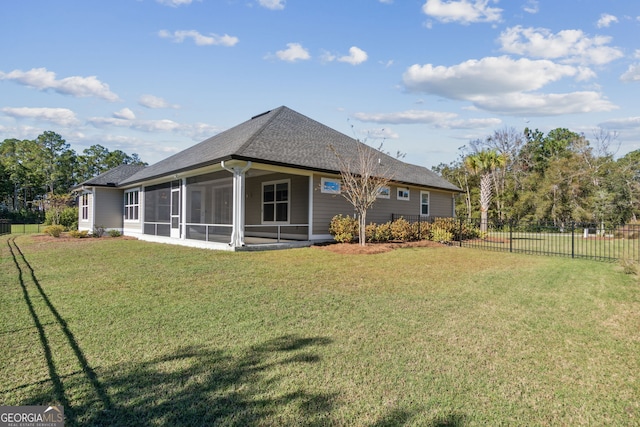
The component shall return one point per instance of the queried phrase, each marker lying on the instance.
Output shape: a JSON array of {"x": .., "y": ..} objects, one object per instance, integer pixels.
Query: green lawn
[{"x": 124, "y": 332}]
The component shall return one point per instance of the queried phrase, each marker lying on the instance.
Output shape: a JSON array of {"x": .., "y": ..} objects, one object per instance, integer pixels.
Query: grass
[
  {"x": 130, "y": 333},
  {"x": 26, "y": 228}
]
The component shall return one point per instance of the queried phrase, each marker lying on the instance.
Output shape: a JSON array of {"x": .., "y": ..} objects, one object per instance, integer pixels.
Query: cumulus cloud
[
  {"x": 505, "y": 85},
  {"x": 199, "y": 39},
  {"x": 462, "y": 11},
  {"x": 151, "y": 101},
  {"x": 606, "y": 20},
  {"x": 356, "y": 56},
  {"x": 59, "y": 116},
  {"x": 293, "y": 53},
  {"x": 125, "y": 114},
  {"x": 78, "y": 86},
  {"x": 632, "y": 74},
  {"x": 491, "y": 75},
  {"x": 571, "y": 46},
  {"x": 623, "y": 123},
  {"x": 272, "y": 4}
]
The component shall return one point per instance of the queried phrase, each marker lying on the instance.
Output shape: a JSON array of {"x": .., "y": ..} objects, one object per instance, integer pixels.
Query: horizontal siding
[
  {"x": 326, "y": 206},
  {"x": 298, "y": 197},
  {"x": 109, "y": 208}
]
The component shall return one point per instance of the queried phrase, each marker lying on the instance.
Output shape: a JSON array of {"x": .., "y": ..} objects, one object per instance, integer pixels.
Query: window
[
  {"x": 384, "y": 192},
  {"x": 330, "y": 185},
  {"x": 424, "y": 203},
  {"x": 131, "y": 205},
  {"x": 84, "y": 205},
  {"x": 403, "y": 193},
  {"x": 275, "y": 201}
]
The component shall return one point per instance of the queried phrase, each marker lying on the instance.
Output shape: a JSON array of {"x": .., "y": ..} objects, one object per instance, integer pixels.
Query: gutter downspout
[{"x": 237, "y": 230}]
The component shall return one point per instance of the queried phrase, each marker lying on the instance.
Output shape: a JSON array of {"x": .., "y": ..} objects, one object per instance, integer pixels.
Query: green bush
[
  {"x": 379, "y": 233},
  {"x": 67, "y": 217},
  {"x": 79, "y": 234},
  {"x": 114, "y": 233},
  {"x": 344, "y": 229},
  {"x": 403, "y": 231},
  {"x": 54, "y": 230},
  {"x": 441, "y": 235}
]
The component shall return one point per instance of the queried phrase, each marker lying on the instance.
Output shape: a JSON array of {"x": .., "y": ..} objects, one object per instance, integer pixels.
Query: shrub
[
  {"x": 54, "y": 230},
  {"x": 79, "y": 234},
  {"x": 114, "y": 233},
  {"x": 379, "y": 233},
  {"x": 441, "y": 235},
  {"x": 344, "y": 229},
  {"x": 98, "y": 231},
  {"x": 402, "y": 230}
]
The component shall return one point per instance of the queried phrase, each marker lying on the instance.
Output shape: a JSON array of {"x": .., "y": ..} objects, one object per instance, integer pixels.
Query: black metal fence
[
  {"x": 575, "y": 240},
  {"x": 5, "y": 226}
]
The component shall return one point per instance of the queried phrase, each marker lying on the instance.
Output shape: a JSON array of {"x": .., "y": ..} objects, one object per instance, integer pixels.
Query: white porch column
[{"x": 237, "y": 228}]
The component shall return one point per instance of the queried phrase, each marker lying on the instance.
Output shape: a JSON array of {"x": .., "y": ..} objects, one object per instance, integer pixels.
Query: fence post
[
  {"x": 460, "y": 231},
  {"x": 510, "y": 222},
  {"x": 573, "y": 235}
]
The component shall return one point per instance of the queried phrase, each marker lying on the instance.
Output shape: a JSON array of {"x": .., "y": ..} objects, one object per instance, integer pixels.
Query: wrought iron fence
[
  {"x": 5, "y": 226},
  {"x": 574, "y": 240}
]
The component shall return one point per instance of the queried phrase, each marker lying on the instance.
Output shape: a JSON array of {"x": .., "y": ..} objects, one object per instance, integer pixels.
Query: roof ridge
[{"x": 276, "y": 112}]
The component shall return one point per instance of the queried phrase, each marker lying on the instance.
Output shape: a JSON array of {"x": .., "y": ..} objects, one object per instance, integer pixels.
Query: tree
[
  {"x": 364, "y": 173},
  {"x": 484, "y": 164}
]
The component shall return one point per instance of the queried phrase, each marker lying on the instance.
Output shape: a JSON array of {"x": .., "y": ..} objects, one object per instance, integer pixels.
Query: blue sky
[{"x": 423, "y": 77}]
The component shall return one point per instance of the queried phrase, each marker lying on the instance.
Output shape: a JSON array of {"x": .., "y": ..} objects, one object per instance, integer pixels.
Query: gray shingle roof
[
  {"x": 282, "y": 137},
  {"x": 112, "y": 177}
]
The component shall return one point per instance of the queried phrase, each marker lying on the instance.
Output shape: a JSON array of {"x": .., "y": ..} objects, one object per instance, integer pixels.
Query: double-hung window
[
  {"x": 84, "y": 205},
  {"x": 275, "y": 201},
  {"x": 131, "y": 205},
  {"x": 424, "y": 203}
]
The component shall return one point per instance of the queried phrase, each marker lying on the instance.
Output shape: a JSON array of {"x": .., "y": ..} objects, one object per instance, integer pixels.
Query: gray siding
[
  {"x": 109, "y": 208},
  {"x": 298, "y": 197}
]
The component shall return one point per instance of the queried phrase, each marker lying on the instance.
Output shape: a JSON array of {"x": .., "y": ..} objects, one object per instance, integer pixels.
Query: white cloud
[
  {"x": 272, "y": 4},
  {"x": 196, "y": 131},
  {"x": 356, "y": 56},
  {"x": 491, "y": 75},
  {"x": 125, "y": 114},
  {"x": 471, "y": 123},
  {"x": 533, "y": 104},
  {"x": 504, "y": 85},
  {"x": 59, "y": 116},
  {"x": 606, "y": 20},
  {"x": 151, "y": 101},
  {"x": 42, "y": 79},
  {"x": 174, "y": 3},
  {"x": 294, "y": 52},
  {"x": 462, "y": 11},
  {"x": 572, "y": 46},
  {"x": 199, "y": 39},
  {"x": 624, "y": 123},
  {"x": 531, "y": 6},
  {"x": 386, "y": 1},
  {"x": 406, "y": 117},
  {"x": 632, "y": 74}
]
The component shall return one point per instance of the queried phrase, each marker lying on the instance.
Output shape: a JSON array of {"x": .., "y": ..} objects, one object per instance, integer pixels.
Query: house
[{"x": 271, "y": 179}]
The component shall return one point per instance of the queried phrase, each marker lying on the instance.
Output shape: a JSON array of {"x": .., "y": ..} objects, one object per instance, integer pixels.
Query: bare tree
[{"x": 365, "y": 172}]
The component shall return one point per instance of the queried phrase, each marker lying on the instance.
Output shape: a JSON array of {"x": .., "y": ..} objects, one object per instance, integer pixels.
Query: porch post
[{"x": 237, "y": 224}]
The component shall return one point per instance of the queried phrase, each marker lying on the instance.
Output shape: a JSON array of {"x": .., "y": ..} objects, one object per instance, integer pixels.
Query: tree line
[
  {"x": 32, "y": 171},
  {"x": 559, "y": 177}
]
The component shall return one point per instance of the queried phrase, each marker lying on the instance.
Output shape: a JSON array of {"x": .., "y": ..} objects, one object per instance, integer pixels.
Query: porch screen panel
[{"x": 157, "y": 209}]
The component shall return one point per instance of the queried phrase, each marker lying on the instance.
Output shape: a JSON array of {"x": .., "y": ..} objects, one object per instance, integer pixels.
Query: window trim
[
  {"x": 132, "y": 205},
  {"x": 84, "y": 206},
  {"x": 262, "y": 204},
  {"x": 399, "y": 197},
  {"x": 428, "y": 193},
  {"x": 323, "y": 185}
]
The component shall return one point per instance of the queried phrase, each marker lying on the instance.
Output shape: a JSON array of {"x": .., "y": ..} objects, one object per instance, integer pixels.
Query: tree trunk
[{"x": 363, "y": 228}]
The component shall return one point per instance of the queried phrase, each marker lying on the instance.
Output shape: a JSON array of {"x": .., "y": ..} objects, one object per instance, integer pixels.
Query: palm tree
[{"x": 485, "y": 163}]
